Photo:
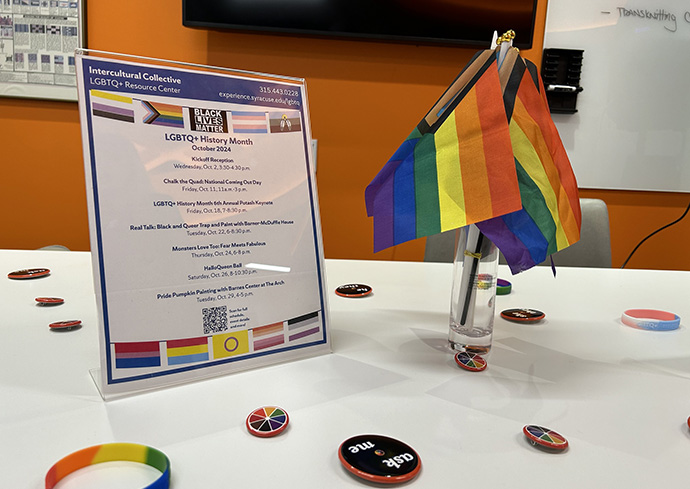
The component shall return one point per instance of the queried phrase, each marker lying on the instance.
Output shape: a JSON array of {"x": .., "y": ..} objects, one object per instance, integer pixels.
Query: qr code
[{"x": 215, "y": 319}]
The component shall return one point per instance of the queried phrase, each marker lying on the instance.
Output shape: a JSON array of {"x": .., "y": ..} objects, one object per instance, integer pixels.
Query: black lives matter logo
[{"x": 208, "y": 120}]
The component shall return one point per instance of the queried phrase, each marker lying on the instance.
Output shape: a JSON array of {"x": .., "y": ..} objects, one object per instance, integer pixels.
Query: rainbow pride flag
[
  {"x": 486, "y": 150},
  {"x": 550, "y": 217}
]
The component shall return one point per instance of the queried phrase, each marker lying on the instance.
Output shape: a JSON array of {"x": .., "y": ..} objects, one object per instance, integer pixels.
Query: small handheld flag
[{"x": 487, "y": 153}]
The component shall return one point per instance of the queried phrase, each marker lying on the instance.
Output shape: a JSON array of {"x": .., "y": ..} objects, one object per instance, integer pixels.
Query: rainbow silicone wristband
[
  {"x": 112, "y": 452},
  {"x": 651, "y": 319}
]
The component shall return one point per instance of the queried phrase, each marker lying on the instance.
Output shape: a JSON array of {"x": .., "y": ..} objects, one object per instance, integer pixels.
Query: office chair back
[
  {"x": 440, "y": 247},
  {"x": 593, "y": 249}
]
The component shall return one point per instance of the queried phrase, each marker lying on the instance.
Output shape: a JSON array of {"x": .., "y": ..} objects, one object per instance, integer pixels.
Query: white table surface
[{"x": 620, "y": 396}]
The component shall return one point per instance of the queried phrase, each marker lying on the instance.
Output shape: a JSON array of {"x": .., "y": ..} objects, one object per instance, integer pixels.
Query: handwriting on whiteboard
[{"x": 667, "y": 19}]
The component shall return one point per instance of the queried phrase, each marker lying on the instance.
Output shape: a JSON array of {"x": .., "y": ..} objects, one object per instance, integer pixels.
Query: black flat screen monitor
[{"x": 464, "y": 22}]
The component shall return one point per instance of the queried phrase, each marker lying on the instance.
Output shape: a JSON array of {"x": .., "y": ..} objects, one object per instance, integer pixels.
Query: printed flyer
[
  {"x": 37, "y": 43},
  {"x": 204, "y": 223}
]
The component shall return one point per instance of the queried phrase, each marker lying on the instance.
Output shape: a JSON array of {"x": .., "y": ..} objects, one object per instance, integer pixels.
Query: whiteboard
[{"x": 632, "y": 128}]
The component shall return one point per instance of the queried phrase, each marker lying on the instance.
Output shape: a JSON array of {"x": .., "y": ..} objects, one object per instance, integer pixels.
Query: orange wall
[{"x": 364, "y": 97}]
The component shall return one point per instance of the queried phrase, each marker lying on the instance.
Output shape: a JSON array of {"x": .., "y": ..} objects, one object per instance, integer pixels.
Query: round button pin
[
  {"x": 523, "y": 315},
  {"x": 378, "y": 458},
  {"x": 28, "y": 273},
  {"x": 49, "y": 301},
  {"x": 353, "y": 290},
  {"x": 544, "y": 437},
  {"x": 267, "y": 421},
  {"x": 65, "y": 325},
  {"x": 470, "y": 361},
  {"x": 503, "y": 287}
]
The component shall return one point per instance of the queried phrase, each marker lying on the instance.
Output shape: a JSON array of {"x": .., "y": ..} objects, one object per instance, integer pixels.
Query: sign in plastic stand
[{"x": 204, "y": 224}]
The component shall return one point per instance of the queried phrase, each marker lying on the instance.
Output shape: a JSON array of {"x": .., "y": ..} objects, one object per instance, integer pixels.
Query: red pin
[
  {"x": 28, "y": 273},
  {"x": 523, "y": 315},
  {"x": 49, "y": 301},
  {"x": 353, "y": 290},
  {"x": 65, "y": 325}
]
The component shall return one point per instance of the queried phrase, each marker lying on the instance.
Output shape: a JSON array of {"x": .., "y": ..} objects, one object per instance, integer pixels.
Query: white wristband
[{"x": 651, "y": 319}]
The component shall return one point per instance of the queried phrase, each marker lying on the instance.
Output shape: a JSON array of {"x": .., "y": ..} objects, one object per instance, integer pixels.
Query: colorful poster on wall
[{"x": 204, "y": 222}]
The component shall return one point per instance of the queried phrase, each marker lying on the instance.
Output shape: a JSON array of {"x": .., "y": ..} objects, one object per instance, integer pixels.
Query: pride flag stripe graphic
[
  {"x": 137, "y": 354},
  {"x": 450, "y": 195},
  {"x": 268, "y": 336},
  {"x": 160, "y": 114},
  {"x": 425, "y": 183},
  {"x": 268, "y": 342},
  {"x": 303, "y": 326},
  {"x": 189, "y": 350},
  {"x": 304, "y": 333},
  {"x": 249, "y": 122},
  {"x": 304, "y": 317},
  {"x": 562, "y": 175},
  {"x": 111, "y": 106},
  {"x": 404, "y": 226},
  {"x": 270, "y": 329}
]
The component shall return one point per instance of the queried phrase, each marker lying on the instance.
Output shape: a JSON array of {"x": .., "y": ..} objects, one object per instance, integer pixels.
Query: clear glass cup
[{"x": 473, "y": 295}]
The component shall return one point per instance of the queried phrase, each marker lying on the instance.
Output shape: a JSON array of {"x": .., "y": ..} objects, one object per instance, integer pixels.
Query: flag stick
[{"x": 473, "y": 250}]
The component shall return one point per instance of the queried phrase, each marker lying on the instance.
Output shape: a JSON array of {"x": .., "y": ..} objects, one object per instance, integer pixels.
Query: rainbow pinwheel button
[
  {"x": 353, "y": 290},
  {"x": 378, "y": 458},
  {"x": 544, "y": 437},
  {"x": 267, "y": 421},
  {"x": 470, "y": 361},
  {"x": 28, "y": 273}
]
